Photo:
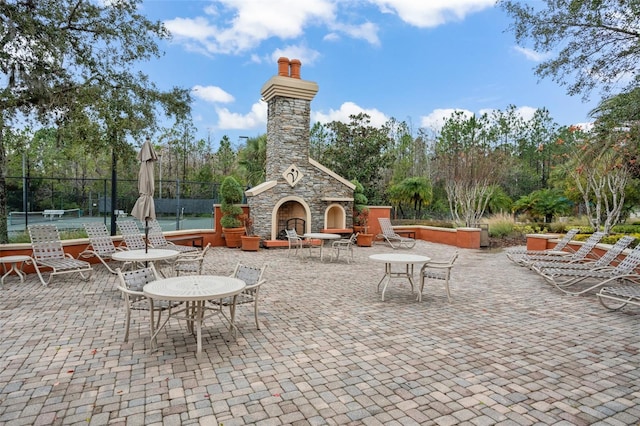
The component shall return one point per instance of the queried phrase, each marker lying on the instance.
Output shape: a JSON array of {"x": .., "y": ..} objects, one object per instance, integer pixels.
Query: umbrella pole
[{"x": 146, "y": 240}]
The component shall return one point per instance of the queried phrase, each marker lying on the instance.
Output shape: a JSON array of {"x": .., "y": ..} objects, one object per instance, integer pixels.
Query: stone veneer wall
[
  {"x": 312, "y": 185},
  {"x": 288, "y": 124}
]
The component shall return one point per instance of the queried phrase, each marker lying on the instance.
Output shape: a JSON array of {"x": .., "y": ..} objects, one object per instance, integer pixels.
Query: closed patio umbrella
[{"x": 144, "y": 208}]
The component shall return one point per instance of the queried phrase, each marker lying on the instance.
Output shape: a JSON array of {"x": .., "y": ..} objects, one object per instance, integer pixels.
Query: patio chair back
[
  {"x": 46, "y": 243},
  {"x": 564, "y": 241},
  {"x": 629, "y": 263},
  {"x": 611, "y": 254},
  {"x": 100, "y": 240},
  {"x": 131, "y": 235},
  {"x": 587, "y": 247},
  {"x": 157, "y": 239},
  {"x": 392, "y": 237},
  {"x": 100, "y": 243}
]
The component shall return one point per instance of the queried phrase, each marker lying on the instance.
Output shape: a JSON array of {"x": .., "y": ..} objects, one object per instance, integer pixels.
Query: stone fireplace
[{"x": 299, "y": 193}]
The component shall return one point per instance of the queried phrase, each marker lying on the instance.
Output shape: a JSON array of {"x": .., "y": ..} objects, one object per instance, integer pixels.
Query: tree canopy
[
  {"x": 596, "y": 43},
  {"x": 72, "y": 63}
]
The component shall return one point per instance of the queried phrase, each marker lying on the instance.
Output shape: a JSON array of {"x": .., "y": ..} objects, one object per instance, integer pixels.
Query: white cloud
[
  {"x": 524, "y": 112},
  {"x": 250, "y": 23},
  {"x": 212, "y": 94},
  {"x": 349, "y": 108},
  {"x": 256, "y": 118},
  {"x": 237, "y": 26},
  {"x": 531, "y": 55},
  {"x": 435, "y": 120},
  {"x": 367, "y": 31},
  {"x": 306, "y": 55},
  {"x": 431, "y": 13}
]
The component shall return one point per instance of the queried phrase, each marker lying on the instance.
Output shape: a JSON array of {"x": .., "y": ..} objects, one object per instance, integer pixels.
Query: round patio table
[
  {"x": 389, "y": 259},
  {"x": 322, "y": 236}
]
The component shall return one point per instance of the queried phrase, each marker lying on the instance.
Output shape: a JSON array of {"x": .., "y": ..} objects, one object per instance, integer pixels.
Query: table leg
[
  {"x": 13, "y": 268},
  {"x": 199, "y": 313},
  {"x": 152, "y": 322},
  {"x": 232, "y": 316}
]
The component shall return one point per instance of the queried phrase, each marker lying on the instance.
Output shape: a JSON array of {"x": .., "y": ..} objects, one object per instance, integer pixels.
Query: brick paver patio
[{"x": 509, "y": 349}]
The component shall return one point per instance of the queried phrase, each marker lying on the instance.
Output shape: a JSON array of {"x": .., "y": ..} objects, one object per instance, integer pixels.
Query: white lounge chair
[
  {"x": 519, "y": 256},
  {"x": 565, "y": 279},
  {"x": 390, "y": 236},
  {"x": 583, "y": 254},
  {"x": 157, "y": 240},
  {"x": 100, "y": 244},
  {"x": 606, "y": 260},
  {"x": 48, "y": 252}
]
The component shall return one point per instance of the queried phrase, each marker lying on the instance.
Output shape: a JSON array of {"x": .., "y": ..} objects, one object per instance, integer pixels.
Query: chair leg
[
  {"x": 127, "y": 323},
  {"x": 446, "y": 285},
  {"x": 255, "y": 312}
]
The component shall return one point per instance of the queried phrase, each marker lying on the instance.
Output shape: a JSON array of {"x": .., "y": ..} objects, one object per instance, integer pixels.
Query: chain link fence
[{"x": 71, "y": 202}]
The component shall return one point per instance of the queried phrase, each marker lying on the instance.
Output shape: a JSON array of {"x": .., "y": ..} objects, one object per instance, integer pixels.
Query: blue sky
[{"x": 415, "y": 61}]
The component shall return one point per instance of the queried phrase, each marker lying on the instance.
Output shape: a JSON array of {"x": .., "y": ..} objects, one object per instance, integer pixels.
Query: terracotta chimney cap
[
  {"x": 295, "y": 68},
  {"x": 283, "y": 66}
]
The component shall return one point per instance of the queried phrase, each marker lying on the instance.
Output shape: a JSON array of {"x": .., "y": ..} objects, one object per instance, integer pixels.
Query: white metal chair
[
  {"x": 437, "y": 270},
  {"x": 391, "y": 237},
  {"x": 346, "y": 245},
  {"x": 131, "y": 284},
  {"x": 253, "y": 278},
  {"x": 48, "y": 252},
  {"x": 100, "y": 244},
  {"x": 297, "y": 242},
  {"x": 191, "y": 263}
]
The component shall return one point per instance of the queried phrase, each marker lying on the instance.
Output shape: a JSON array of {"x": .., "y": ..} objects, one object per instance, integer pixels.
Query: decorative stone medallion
[{"x": 292, "y": 175}]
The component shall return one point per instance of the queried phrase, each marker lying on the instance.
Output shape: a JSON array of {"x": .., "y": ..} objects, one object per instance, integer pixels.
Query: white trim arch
[
  {"x": 343, "y": 219},
  {"x": 276, "y": 207}
]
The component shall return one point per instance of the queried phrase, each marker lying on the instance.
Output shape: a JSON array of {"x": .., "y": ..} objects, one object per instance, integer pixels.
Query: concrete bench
[{"x": 52, "y": 213}]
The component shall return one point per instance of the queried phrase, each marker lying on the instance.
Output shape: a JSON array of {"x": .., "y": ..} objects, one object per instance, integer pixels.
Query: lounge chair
[
  {"x": 48, "y": 252},
  {"x": 100, "y": 244},
  {"x": 618, "y": 297},
  {"x": 606, "y": 260},
  {"x": 131, "y": 235},
  {"x": 391, "y": 237},
  {"x": 583, "y": 254},
  {"x": 157, "y": 240},
  {"x": 565, "y": 279},
  {"x": 518, "y": 255}
]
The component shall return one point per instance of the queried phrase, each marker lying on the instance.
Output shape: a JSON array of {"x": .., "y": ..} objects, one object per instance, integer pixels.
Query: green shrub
[{"x": 230, "y": 195}]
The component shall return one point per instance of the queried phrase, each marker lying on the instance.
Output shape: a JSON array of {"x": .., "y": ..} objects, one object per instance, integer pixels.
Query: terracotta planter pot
[
  {"x": 364, "y": 240},
  {"x": 250, "y": 242},
  {"x": 232, "y": 236}
]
